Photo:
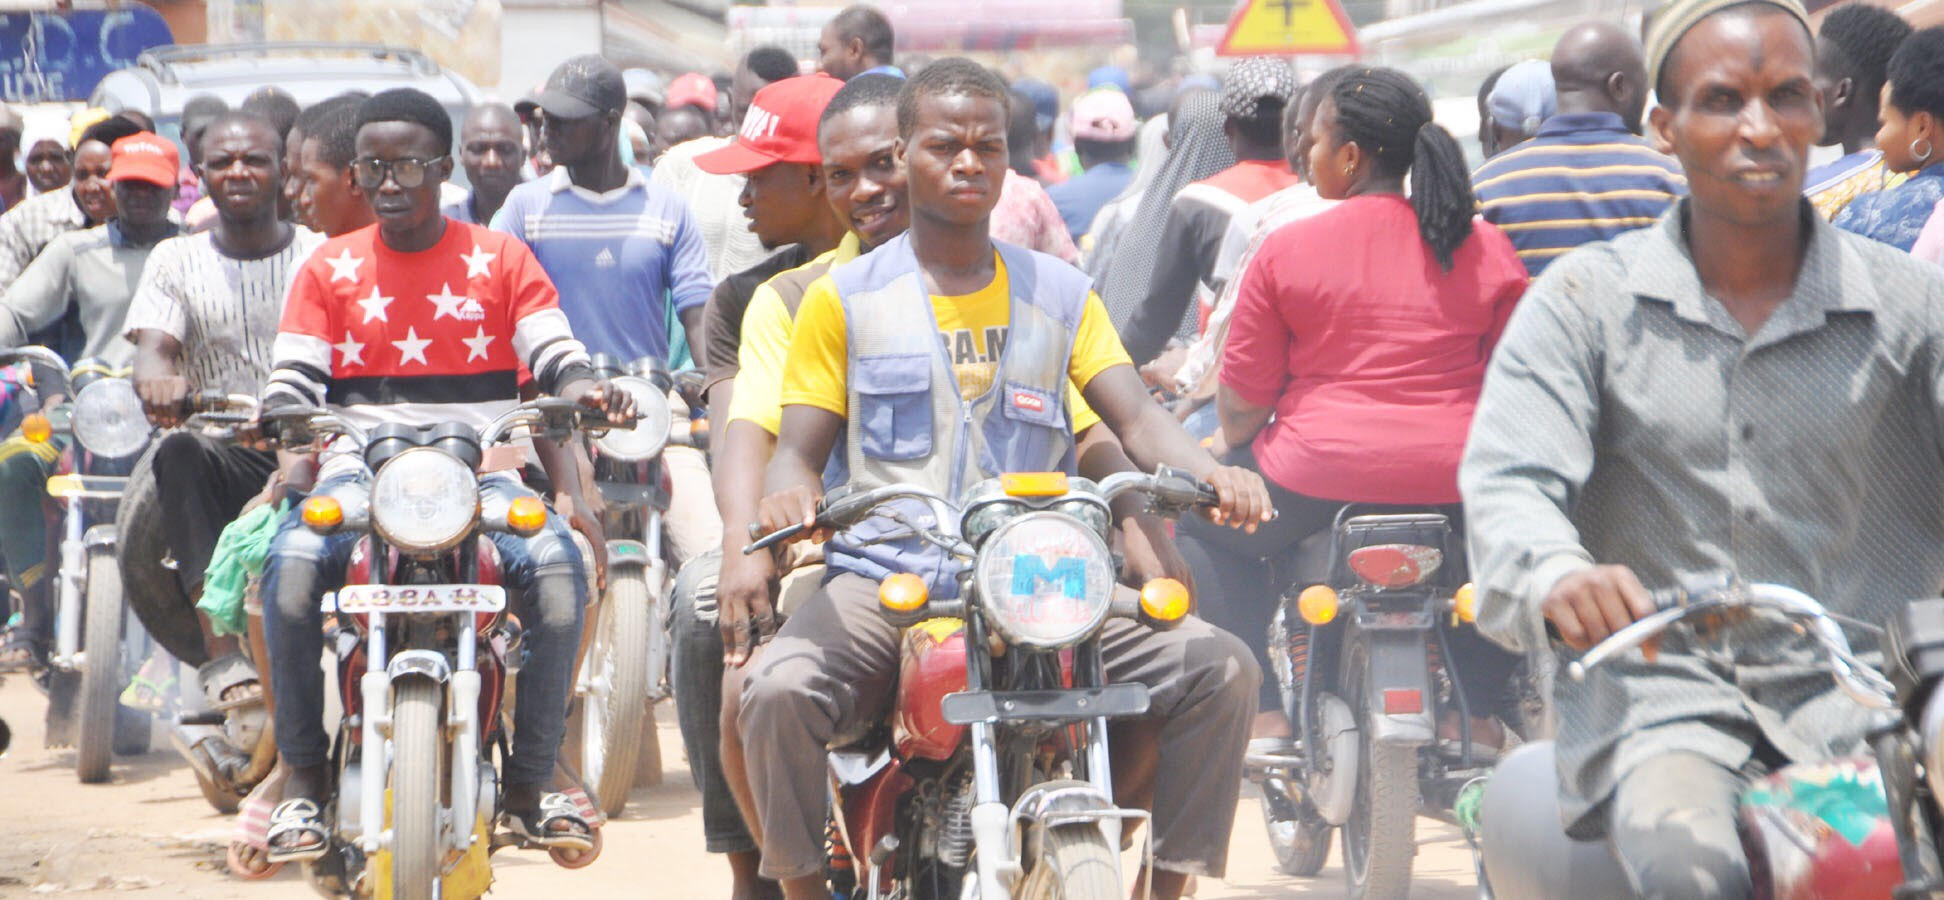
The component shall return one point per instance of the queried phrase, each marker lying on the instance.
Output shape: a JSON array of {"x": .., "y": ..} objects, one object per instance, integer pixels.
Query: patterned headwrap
[
  {"x": 1677, "y": 18},
  {"x": 1254, "y": 80}
]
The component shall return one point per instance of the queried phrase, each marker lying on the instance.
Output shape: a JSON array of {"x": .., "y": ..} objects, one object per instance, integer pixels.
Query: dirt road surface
[{"x": 148, "y": 834}]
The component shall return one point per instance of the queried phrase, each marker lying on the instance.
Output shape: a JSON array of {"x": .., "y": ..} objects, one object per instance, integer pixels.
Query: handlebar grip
[{"x": 773, "y": 538}]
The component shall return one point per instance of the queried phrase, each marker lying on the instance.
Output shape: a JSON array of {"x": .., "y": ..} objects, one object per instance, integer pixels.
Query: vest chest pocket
[{"x": 894, "y": 405}]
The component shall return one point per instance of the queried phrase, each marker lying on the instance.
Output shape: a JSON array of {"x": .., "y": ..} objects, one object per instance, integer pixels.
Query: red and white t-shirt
[{"x": 441, "y": 335}]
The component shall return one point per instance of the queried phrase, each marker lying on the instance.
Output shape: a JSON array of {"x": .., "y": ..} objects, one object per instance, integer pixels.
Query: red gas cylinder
[
  {"x": 1821, "y": 831},
  {"x": 931, "y": 665}
]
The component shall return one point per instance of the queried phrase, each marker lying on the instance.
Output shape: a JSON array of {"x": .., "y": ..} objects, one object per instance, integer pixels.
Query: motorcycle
[
  {"x": 422, "y": 648},
  {"x": 625, "y": 669},
  {"x": 98, "y": 643},
  {"x": 1364, "y": 661},
  {"x": 991, "y": 778},
  {"x": 1857, "y": 827}
]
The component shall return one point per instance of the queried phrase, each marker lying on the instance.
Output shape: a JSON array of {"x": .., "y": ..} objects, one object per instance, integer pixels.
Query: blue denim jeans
[{"x": 546, "y": 585}]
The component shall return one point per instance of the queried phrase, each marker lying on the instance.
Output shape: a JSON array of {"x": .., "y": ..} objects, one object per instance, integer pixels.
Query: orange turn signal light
[
  {"x": 1464, "y": 603},
  {"x": 1317, "y": 604},
  {"x": 1165, "y": 600},
  {"x": 903, "y": 593},
  {"x": 36, "y": 428},
  {"x": 1034, "y": 484},
  {"x": 323, "y": 513},
  {"x": 525, "y": 516}
]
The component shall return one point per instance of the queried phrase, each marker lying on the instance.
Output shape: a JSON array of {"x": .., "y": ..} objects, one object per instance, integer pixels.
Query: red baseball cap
[
  {"x": 693, "y": 89},
  {"x": 144, "y": 157},
  {"x": 781, "y": 127}
]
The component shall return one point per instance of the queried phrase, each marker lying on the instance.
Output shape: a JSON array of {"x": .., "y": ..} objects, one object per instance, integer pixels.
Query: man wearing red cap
[
  {"x": 95, "y": 270},
  {"x": 784, "y": 202}
]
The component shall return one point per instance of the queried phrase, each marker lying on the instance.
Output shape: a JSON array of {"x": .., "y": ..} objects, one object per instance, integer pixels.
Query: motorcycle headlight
[
  {"x": 424, "y": 500},
  {"x": 1045, "y": 580},
  {"x": 107, "y": 419},
  {"x": 981, "y": 519},
  {"x": 650, "y": 432},
  {"x": 1092, "y": 514}
]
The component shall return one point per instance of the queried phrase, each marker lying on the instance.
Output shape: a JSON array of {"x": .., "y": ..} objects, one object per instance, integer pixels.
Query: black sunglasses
[{"x": 408, "y": 172}]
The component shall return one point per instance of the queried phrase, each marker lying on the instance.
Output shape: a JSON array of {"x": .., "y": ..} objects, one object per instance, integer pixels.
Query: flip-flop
[
  {"x": 297, "y": 816},
  {"x": 536, "y": 828}
]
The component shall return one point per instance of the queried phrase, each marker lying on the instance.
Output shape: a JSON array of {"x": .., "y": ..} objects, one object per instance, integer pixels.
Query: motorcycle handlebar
[
  {"x": 1863, "y": 684},
  {"x": 838, "y": 510}
]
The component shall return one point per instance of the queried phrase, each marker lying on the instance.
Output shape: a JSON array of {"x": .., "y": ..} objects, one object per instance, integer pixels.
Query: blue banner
[{"x": 61, "y": 55}]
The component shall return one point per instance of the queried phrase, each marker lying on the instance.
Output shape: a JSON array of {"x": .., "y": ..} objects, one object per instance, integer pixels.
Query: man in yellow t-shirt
[{"x": 829, "y": 669}]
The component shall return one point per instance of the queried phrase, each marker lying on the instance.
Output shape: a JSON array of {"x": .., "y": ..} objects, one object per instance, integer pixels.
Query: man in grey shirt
[
  {"x": 1740, "y": 389},
  {"x": 94, "y": 271}
]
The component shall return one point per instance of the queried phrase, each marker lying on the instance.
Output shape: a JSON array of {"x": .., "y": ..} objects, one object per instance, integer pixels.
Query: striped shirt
[
  {"x": 223, "y": 310},
  {"x": 1584, "y": 178},
  {"x": 28, "y": 228},
  {"x": 624, "y": 260}
]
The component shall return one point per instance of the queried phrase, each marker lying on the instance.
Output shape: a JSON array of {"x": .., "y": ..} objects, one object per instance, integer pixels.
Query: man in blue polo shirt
[
  {"x": 1588, "y": 175},
  {"x": 626, "y": 256},
  {"x": 622, "y": 252}
]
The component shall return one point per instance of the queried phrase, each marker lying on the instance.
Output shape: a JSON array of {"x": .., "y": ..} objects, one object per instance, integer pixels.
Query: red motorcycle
[{"x": 991, "y": 778}]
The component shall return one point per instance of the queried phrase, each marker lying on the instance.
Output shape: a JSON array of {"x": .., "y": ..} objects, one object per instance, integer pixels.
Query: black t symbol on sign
[{"x": 1289, "y": 8}]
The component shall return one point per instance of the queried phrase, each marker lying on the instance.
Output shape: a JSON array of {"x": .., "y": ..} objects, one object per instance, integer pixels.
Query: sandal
[
  {"x": 224, "y": 675},
  {"x": 151, "y": 687},
  {"x": 297, "y": 817},
  {"x": 556, "y": 824},
  {"x": 22, "y": 651}
]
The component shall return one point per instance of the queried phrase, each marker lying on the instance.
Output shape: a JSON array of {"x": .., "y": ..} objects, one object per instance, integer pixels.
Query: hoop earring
[{"x": 1929, "y": 148}]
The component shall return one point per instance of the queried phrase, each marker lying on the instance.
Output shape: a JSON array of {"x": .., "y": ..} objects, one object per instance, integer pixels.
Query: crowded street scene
[{"x": 1125, "y": 449}]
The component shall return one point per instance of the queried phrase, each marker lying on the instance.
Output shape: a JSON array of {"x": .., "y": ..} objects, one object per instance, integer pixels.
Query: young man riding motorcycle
[
  {"x": 1739, "y": 389},
  {"x": 341, "y": 342},
  {"x": 831, "y": 665}
]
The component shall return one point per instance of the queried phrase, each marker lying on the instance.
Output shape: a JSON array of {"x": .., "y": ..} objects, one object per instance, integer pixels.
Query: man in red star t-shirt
[{"x": 421, "y": 320}]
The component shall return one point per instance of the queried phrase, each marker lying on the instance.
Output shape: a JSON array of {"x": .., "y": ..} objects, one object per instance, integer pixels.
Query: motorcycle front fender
[
  {"x": 1399, "y": 701},
  {"x": 628, "y": 554}
]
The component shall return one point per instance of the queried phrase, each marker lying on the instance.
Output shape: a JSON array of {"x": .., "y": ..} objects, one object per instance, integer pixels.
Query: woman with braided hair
[{"x": 1364, "y": 330}]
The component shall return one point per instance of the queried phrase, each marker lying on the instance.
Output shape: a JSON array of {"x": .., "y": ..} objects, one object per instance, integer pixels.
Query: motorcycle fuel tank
[
  {"x": 1821, "y": 831},
  {"x": 931, "y": 665}
]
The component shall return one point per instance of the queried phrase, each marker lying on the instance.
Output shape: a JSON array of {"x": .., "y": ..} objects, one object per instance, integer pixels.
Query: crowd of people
[{"x": 1643, "y": 342}]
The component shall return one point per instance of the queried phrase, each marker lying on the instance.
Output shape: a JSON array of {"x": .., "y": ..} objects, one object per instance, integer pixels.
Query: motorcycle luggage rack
[{"x": 1351, "y": 532}]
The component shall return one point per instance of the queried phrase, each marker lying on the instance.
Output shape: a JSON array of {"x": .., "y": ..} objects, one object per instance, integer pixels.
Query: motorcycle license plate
[{"x": 418, "y": 598}]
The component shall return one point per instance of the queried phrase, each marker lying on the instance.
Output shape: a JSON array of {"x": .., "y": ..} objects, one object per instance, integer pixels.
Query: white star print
[
  {"x": 345, "y": 266},
  {"x": 476, "y": 263},
  {"x": 448, "y": 305},
  {"x": 352, "y": 350},
  {"x": 374, "y": 305},
  {"x": 411, "y": 347},
  {"x": 477, "y": 344}
]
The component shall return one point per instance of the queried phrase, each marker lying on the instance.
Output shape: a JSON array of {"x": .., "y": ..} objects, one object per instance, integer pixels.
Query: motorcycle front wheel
[
  {"x": 1074, "y": 862},
  {"x": 101, "y": 674},
  {"x": 1380, "y": 837},
  {"x": 418, "y": 757},
  {"x": 616, "y": 699}
]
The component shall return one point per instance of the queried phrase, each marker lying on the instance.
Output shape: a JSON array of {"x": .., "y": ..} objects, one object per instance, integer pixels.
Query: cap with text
[
  {"x": 144, "y": 157},
  {"x": 781, "y": 127}
]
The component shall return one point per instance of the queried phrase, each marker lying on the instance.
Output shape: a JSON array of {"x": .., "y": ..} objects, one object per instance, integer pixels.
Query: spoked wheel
[
  {"x": 1300, "y": 839},
  {"x": 1380, "y": 837},
  {"x": 570, "y": 858},
  {"x": 1073, "y": 862},
  {"x": 250, "y": 863},
  {"x": 101, "y": 673},
  {"x": 418, "y": 772},
  {"x": 617, "y": 689}
]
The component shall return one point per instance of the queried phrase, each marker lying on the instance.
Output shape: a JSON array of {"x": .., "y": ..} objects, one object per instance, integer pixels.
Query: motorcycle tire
[
  {"x": 1380, "y": 837},
  {"x": 153, "y": 591},
  {"x": 1301, "y": 844},
  {"x": 101, "y": 677},
  {"x": 616, "y": 700},
  {"x": 1073, "y": 862},
  {"x": 417, "y": 779}
]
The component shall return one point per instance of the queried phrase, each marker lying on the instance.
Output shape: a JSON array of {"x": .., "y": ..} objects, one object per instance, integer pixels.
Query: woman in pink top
[{"x": 1364, "y": 332}]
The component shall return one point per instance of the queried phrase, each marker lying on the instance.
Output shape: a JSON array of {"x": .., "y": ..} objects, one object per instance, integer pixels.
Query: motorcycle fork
[
  {"x": 71, "y": 587},
  {"x": 462, "y": 714},
  {"x": 991, "y": 817}
]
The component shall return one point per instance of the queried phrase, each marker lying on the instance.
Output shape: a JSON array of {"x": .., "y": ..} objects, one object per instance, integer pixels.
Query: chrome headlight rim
[
  {"x": 453, "y": 485},
  {"x": 107, "y": 419},
  {"x": 649, "y": 436},
  {"x": 998, "y": 606},
  {"x": 981, "y": 519}
]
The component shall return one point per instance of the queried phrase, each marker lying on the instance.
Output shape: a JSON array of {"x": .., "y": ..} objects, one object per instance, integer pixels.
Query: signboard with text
[{"x": 56, "y": 56}]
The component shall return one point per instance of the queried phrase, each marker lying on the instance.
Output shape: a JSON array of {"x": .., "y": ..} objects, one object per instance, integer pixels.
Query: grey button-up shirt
[{"x": 1627, "y": 418}]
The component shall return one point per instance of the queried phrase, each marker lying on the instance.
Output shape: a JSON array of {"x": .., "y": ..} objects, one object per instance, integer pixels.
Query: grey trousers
[
  {"x": 832, "y": 668},
  {"x": 1673, "y": 828}
]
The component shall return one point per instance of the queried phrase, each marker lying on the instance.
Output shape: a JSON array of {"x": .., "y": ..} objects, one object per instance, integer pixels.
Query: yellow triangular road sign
[{"x": 1288, "y": 27}]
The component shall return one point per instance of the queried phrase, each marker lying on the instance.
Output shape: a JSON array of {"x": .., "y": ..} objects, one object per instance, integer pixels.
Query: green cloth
[{"x": 239, "y": 556}]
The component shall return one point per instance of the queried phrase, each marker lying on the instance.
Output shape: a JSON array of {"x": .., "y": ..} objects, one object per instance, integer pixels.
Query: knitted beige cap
[{"x": 1674, "y": 19}]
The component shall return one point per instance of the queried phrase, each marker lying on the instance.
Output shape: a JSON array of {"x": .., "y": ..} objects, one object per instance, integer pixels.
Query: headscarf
[
  {"x": 1200, "y": 150},
  {"x": 38, "y": 130},
  {"x": 1673, "y": 21}
]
